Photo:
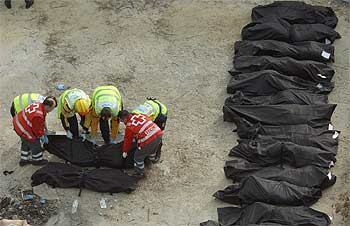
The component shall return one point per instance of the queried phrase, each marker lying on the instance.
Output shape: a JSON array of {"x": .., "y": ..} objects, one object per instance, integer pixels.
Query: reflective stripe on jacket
[
  {"x": 67, "y": 100},
  {"x": 151, "y": 108},
  {"x": 22, "y": 101},
  {"x": 107, "y": 96},
  {"x": 142, "y": 128},
  {"x": 30, "y": 123}
]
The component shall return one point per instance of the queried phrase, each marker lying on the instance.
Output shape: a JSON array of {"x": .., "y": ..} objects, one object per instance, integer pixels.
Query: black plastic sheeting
[
  {"x": 255, "y": 189},
  {"x": 279, "y": 104},
  {"x": 86, "y": 154},
  {"x": 307, "y": 70},
  {"x": 248, "y": 130},
  {"x": 282, "y": 97},
  {"x": 300, "y": 50},
  {"x": 296, "y": 12},
  {"x": 68, "y": 176},
  {"x": 287, "y": 114},
  {"x": 267, "y": 152},
  {"x": 269, "y": 82},
  {"x": 327, "y": 142},
  {"x": 258, "y": 213},
  {"x": 307, "y": 176},
  {"x": 272, "y": 28},
  {"x": 213, "y": 223}
]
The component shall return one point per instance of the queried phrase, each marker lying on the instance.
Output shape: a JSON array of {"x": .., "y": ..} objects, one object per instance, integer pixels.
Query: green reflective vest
[
  {"x": 22, "y": 101},
  {"x": 151, "y": 108},
  {"x": 68, "y": 99},
  {"x": 107, "y": 97}
]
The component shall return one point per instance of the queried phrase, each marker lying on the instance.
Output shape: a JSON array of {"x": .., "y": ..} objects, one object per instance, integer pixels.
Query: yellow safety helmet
[{"x": 82, "y": 106}]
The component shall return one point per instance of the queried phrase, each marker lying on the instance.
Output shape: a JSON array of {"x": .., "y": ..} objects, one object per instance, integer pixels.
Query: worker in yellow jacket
[
  {"x": 155, "y": 110},
  {"x": 158, "y": 113},
  {"x": 20, "y": 102},
  {"x": 73, "y": 101},
  {"x": 106, "y": 104}
]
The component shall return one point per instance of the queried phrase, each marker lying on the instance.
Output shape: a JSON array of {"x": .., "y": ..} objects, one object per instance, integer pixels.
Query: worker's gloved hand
[
  {"x": 113, "y": 142},
  {"x": 125, "y": 155},
  {"x": 93, "y": 141},
  {"x": 44, "y": 139},
  {"x": 69, "y": 134},
  {"x": 84, "y": 134}
]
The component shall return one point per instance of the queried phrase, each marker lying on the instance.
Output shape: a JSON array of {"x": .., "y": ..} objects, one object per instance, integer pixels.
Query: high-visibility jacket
[
  {"x": 105, "y": 96},
  {"x": 22, "y": 101},
  {"x": 67, "y": 101},
  {"x": 30, "y": 123},
  {"x": 141, "y": 128},
  {"x": 152, "y": 108}
]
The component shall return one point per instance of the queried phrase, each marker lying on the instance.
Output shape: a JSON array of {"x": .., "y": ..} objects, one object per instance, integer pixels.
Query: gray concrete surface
[{"x": 178, "y": 51}]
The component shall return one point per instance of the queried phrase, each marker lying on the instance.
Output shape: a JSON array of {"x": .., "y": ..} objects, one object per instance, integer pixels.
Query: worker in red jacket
[
  {"x": 29, "y": 125},
  {"x": 148, "y": 136}
]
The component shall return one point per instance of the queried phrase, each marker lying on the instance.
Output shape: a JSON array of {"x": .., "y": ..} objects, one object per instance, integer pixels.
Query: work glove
[
  {"x": 125, "y": 155},
  {"x": 84, "y": 134},
  {"x": 44, "y": 139},
  {"x": 69, "y": 134},
  {"x": 93, "y": 141},
  {"x": 113, "y": 142}
]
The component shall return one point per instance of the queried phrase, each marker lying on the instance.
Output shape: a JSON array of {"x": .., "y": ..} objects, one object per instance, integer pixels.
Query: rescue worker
[
  {"x": 148, "y": 136},
  {"x": 158, "y": 113},
  {"x": 29, "y": 3},
  {"x": 106, "y": 104},
  {"x": 73, "y": 101},
  {"x": 29, "y": 125},
  {"x": 155, "y": 110},
  {"x": 22, "y": 101}
]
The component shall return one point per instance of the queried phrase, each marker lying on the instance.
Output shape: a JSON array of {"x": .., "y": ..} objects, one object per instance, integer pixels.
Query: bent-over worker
[
  {"x": 29, "y": 125},
  {"x": 158, "y": 113},
  {"x": 22, "y": 101},
  {"x": 148, "y": 136},
  {"x": 73, "y": 101},
  {"x": 106, "y": 104}
]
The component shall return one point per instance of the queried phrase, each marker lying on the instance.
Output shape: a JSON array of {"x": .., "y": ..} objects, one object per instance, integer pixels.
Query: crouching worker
[
  {"x": 73, "y": 101},
  {"x": 22, "y": 101},
  {"x": 148, "y": 136},
  {"x": 106, "y": 104},
  {"x": 29, "y": 125},
  {"x": 158, "y": 113}
]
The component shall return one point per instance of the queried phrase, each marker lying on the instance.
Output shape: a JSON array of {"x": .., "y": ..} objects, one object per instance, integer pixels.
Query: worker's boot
[
  {"x": 29, "y": 3},
  {"x": 8, "y": 4},
  {"x": 24, "y": 162},
  {"x": 40, "y": 162},
  {"x": 156, "y": 157}
]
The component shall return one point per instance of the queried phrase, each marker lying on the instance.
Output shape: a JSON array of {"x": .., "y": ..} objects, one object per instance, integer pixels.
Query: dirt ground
[{"x": 178, "y": 51}]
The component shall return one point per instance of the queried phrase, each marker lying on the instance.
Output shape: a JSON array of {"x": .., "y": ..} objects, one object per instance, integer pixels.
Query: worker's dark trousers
[
  {"x": 149, "y": 150},
  {"x": 161, "y": 125},
  {"x": 33, "y": 148},
  {"x": 72, "y": 125},
  {"x": 104, "y": 127},
  {"x": 12, "y": 110}
]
